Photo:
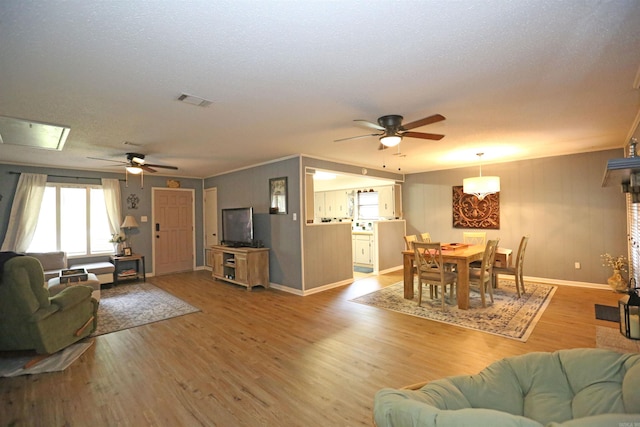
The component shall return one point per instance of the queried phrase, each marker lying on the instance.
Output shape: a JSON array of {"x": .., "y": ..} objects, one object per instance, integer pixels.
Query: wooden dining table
[{"x": 462, "y": 257}]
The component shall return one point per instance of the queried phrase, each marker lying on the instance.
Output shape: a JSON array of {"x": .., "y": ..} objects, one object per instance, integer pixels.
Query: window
[
  {"x": 368, "y": 205},
  {"x": 73, "y": 218}
]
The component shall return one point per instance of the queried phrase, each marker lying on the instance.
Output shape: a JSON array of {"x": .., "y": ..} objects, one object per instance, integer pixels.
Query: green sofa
[
  {"x": 576, "y": 387},
  {"x": 31, "y": 320}
]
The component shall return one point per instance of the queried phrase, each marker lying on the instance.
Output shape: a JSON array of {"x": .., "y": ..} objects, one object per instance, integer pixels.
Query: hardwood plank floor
[{"x": 269, "y": 358}]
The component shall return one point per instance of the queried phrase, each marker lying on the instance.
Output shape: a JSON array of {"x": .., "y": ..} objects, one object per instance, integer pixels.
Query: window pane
[
  {"x": 44, "y": 239},
  {"x": 73, "y": 221},
  {"x": 100, "y": 232}
]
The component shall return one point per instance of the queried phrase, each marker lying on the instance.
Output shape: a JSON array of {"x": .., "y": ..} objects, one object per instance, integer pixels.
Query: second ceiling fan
[{"x": 392, "y": 130}]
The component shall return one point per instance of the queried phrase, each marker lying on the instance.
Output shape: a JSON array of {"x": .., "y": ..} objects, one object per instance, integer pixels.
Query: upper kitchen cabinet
[
  {"x": 332, "y": 204},
  {"x": 389, "y": 201}
]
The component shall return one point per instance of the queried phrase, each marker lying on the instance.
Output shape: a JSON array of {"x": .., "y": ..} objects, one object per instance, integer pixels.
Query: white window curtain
[
  {"x": 111, "y": 189},
  {"x": 24, "y": 212}
]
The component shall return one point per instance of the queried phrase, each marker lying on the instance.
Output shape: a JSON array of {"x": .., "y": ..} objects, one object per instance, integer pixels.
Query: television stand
[{"x": 243, "y": 266}]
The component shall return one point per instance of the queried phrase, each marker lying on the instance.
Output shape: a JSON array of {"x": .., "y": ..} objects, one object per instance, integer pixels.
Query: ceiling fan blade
[
  {"x": 108, "y": 160},
  {"x": 368, "y": 124},
  {"x": 162, "y": 166},
  {"x": 422, "y": 122},
  {"x": 356, "y": 137},
  {"x": 421, "y": 135},
  {"x": 146, "y": 168}
]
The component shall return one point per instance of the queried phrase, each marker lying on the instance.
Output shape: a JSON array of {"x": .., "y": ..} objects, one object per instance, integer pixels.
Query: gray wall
[
  {"x": 280, "y": 233},
  {"x": 143, "y": 236},
  {"x": 559, "y": 201}
]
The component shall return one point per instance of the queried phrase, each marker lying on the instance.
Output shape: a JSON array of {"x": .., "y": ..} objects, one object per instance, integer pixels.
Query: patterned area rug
[
  {"x": 135, "y": 304},
  {"x": 509, "y": 316},
  {"x": 612, "y": 339}
]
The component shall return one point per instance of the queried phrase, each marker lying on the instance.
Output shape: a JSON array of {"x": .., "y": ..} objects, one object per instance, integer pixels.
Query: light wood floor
[{"x": 269, "y": 358}]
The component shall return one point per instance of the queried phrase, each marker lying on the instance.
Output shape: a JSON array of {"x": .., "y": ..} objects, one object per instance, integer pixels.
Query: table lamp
[{"x": 129, "y": 223}]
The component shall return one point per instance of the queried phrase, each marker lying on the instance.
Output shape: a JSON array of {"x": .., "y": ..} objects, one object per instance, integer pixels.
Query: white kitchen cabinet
[
  {"x": 363, "y": 249},
  {"x": 389, "y": 205},
  {"x": 319, "y": 204},
  {"x": 331, "y": 204}
]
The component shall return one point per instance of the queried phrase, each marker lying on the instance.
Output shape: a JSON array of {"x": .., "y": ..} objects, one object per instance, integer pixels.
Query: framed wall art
[
  {"x": 278, "y": 195},
  {"x": 471, "y": 212}
]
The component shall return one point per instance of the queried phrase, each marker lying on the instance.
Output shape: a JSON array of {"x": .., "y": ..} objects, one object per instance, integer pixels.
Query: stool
[{"x": 55, "y": 287}]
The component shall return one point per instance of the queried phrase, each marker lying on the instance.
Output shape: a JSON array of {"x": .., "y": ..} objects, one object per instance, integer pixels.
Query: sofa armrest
[{"x": 71, "y": 296}]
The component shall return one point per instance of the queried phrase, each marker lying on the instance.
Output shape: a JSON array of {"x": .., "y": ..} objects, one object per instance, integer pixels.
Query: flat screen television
[{"x": 237, "y": 227}]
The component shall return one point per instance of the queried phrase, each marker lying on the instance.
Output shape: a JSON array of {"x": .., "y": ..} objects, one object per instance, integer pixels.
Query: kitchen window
[{"x": 368, "y": 205}]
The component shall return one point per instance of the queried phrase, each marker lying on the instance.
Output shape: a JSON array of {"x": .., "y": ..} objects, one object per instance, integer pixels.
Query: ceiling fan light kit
[
  {"x": 481, "y": 186},
  {"x": 135, "y": 170},
  {"x": 392, "y": 130},
  {"x": 390, "y": 140}
]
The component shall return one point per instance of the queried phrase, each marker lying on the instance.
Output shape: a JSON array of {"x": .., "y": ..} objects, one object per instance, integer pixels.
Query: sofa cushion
[
  {"x": 50, "y": 260},
  {"x": 104, "y": 267},
  {"x": 544, "y": 388}
]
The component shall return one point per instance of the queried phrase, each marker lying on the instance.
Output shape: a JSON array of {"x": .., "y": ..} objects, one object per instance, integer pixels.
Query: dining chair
[
  {"x": 408, "y": 240},
  {"x": 517, "y": 269},
  {"x": 474, "y": 237},
  {"x": 425, "y": 237},
  {"x": 483, "y": 276},
  {"x": 431, "y": 271}
]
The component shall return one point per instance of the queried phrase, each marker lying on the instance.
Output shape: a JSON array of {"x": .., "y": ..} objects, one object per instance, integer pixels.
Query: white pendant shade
[
  {"x": 390, "y": 141},
  {"x": 134, "y": 170},
  {"x": 481, "y": 186}
]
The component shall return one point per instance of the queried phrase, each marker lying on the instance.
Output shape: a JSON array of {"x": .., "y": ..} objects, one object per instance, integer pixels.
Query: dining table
[{"x": 458, "y": 254}]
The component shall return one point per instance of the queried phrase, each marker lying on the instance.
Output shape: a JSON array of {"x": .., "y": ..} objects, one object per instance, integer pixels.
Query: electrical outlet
[
  {"x": 577, "y": 265},
  {"x": 143, "y": 218},
  {"x": 295, "y": 216}
]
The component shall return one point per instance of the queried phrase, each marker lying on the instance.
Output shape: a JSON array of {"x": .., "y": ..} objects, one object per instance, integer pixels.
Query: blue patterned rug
[{"x": 509, "y": 316}]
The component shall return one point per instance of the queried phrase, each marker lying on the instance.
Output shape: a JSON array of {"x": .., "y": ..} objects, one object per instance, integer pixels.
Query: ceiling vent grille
[{"x": 194, "y": 100}]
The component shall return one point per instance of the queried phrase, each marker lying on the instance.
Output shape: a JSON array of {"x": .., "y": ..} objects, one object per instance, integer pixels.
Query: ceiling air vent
[
  {"x": 194, "y": 100},
  {"x": 28, "y": 133}
]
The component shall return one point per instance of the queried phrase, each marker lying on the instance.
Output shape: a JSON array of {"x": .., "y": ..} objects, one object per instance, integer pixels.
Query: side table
[{"x": 119, "y": 274}]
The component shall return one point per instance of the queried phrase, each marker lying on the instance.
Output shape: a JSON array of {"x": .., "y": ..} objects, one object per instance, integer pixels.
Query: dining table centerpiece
[{"x": 618, "y": 264}]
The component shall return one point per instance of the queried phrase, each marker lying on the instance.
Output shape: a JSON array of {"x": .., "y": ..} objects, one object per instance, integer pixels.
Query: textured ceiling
[{"x": 515, "y": 79}]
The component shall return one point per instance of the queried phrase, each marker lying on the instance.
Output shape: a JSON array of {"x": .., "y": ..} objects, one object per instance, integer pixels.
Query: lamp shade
[
  {"x": 481, "y": 186},
  {"x": 136, "y": 170},
  {"x": 129, "y": 222},
  {"x": 391, "y": 140}
]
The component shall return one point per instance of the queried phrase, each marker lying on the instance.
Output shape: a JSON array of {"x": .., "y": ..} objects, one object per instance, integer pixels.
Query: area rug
[
  {"x": 135, "y": 304},
  {"x": 360, "y": 269},
  {"x": 612, "y": 339},
  {"x": 606, "y": 312},
  {"x": 509, "y": 316},
  {"x": 15, "y": 366}
]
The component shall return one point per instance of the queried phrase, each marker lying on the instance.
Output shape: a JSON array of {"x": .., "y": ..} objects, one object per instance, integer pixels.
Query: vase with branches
[{"x": 618, "y": 264}]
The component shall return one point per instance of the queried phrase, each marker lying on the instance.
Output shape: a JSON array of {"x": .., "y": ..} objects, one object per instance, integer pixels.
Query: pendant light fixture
[{"x": 481, "y": 186}]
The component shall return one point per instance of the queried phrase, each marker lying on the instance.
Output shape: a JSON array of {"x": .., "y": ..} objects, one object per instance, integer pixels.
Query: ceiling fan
[
  {"x": 393, "y": 130},
  {"x": 136, "y": 164}
]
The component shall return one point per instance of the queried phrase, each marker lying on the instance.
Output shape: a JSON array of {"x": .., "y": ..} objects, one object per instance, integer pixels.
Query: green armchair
[{"x": 32, "y": 320}]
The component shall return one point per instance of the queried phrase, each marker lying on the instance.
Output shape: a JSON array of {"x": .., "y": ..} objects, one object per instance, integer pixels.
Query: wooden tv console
[{"x": 243, "y": 266}]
